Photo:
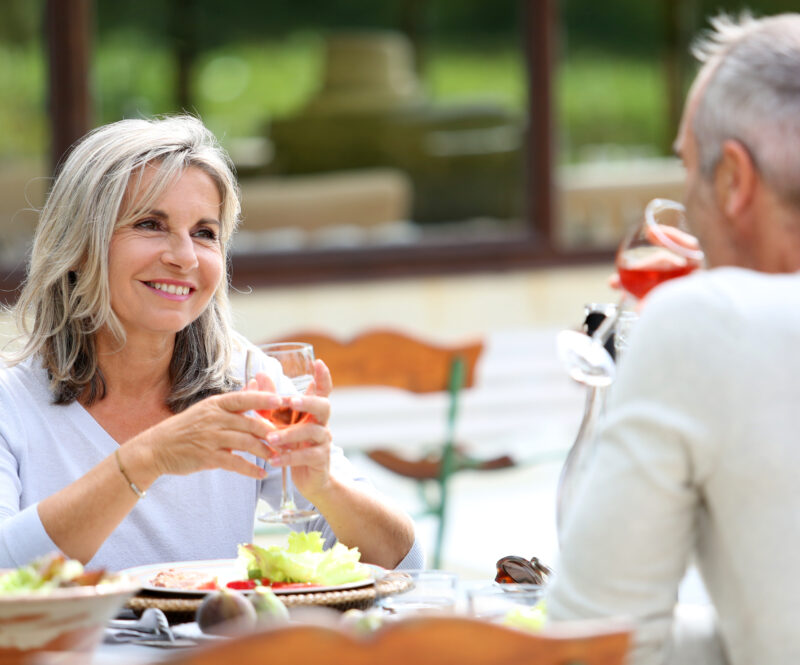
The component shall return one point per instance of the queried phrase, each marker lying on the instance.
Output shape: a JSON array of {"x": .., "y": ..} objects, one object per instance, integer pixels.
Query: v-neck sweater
[{"x": 204, "y": 515}]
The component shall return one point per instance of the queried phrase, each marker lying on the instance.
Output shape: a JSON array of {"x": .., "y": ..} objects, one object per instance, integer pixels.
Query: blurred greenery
[{"x": 255, "y": 61}]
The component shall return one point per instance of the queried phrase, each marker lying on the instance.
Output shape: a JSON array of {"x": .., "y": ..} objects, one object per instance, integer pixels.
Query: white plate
[{"x": 225, "y": 570}]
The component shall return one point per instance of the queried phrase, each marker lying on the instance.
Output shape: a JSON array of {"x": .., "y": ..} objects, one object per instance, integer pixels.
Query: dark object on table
[
  {"x": 595, "y": 315},
  {"x": 519, "y": 570}
]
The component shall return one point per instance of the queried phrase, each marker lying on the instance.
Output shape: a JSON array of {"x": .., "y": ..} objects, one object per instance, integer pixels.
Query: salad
[
  {"x": 53, "y": 571},
  {"x": 302, "y": 562}
]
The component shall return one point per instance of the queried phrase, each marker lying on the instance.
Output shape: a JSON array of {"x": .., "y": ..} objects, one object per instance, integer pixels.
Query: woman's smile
[{"x": 171, "y": 290}]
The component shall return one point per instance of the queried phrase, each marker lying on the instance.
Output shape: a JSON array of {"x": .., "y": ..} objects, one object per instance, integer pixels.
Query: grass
[
  {"x": 600, "y": 99},
  {"x": 22, "y": 104},
  {"x": 607, "y": 100}
]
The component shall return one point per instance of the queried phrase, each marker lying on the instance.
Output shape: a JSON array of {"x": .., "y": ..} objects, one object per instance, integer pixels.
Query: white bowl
[{"x": 68, "y": 619}]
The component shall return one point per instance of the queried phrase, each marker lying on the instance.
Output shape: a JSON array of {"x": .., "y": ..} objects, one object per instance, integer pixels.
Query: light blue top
[{"x": 205, "y": 515}]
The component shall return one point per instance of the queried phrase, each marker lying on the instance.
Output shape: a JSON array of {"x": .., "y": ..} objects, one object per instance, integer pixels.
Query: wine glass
[
  {"x": 297, "y": 362},
  {"x": 653, "y": 251}
]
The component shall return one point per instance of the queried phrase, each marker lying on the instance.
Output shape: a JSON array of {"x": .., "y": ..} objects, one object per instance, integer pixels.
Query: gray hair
[
  {"x": 65, "y": 299},
  {"x": 753, "y": 96}
]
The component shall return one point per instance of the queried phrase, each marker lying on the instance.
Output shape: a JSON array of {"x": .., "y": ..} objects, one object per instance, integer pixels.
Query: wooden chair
[
  {"x": 423, "y": 641},
  {"x": 395, "y": 359}
]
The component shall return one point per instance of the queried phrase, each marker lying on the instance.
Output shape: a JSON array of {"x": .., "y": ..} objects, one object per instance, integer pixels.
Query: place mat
[{"x": 182, "y": 610}]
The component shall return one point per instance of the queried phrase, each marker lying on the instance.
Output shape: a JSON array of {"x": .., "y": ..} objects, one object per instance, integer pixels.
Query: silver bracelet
[{"x": 139, "y": 493}]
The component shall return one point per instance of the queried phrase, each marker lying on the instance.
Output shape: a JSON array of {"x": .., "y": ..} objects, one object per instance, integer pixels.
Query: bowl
[{"x": 67, "y": 619}]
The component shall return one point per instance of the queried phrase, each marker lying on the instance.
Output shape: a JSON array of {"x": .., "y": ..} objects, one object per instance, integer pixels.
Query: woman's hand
[
  {"x": 208, "y": 434},
  {"x": 306, "y": 447}
]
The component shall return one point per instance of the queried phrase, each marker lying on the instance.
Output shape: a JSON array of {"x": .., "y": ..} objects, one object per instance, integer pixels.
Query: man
[{"x": 699, "y": 454}]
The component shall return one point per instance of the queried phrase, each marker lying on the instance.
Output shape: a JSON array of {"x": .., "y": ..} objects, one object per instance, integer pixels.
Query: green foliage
[
  {"x": 608, "y": 99},
  {"x": 260, "y": 61},
  {"x": 22, "y": 109},
  {"x": 20, "y": 21},
  {"x": 495, "y": 74}
]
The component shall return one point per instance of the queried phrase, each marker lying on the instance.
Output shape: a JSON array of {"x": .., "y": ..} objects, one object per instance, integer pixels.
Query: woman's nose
[{"x": 180, "y": 252}]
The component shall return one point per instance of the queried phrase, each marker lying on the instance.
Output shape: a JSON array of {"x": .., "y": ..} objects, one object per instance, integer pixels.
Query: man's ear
[{"x": 735, "y": 179}]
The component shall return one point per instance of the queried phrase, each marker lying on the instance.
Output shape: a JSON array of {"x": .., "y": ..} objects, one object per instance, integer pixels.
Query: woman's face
[{"x": 166, "y": 264}]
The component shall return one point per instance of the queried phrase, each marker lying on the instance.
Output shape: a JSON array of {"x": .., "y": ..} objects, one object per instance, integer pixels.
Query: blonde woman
[{"x": 126, "y": 383}]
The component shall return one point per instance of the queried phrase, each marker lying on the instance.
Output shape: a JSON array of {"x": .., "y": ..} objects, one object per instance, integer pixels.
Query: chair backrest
[
  {"x": 391, "y": 358},
  {"x": 423, "y": 641}
]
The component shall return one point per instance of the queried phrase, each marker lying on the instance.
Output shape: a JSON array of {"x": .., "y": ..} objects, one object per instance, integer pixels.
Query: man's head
[{"x": 740, "y": 141}]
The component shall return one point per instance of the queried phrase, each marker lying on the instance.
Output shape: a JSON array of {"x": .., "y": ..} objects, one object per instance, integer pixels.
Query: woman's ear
[{"x": 735, "y": 179}]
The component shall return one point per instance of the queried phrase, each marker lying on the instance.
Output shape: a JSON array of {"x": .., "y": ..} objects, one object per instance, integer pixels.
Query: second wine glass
[
  {"x": 297, "y": 363},
  {"x": 657, "y": 249}
]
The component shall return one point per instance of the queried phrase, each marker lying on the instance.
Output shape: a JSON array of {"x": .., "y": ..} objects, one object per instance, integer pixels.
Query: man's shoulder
[{"x": 731, "y": 289}]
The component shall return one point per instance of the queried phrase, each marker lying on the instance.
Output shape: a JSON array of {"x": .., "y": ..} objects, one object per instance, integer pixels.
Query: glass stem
[{"x": 287, "y": 496}]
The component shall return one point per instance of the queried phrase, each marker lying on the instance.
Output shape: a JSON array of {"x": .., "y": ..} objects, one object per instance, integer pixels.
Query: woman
[{"x": 127, "y": 381}]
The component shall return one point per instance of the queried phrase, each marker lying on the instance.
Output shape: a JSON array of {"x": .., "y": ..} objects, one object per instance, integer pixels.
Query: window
[{"x": 371, "y": 139}]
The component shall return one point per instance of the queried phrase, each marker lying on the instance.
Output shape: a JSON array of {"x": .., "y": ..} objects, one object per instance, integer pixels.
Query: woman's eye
[
  {"x": 147, "y": 224},
  {"x": 206, "y": 234}
]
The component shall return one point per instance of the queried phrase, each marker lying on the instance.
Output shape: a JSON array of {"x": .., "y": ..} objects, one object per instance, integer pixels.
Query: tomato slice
[
  {"x": 291, "y": 585},
  {"x": 248, "y": 585}
]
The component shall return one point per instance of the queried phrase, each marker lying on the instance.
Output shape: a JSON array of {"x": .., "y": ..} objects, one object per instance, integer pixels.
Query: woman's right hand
[{"x": 209, "y": 433}]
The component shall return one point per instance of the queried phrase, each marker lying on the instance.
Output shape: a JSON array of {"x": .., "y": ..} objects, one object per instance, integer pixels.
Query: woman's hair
[
  {"x": 752, "y": 95},
  {"x": 65, "y": 298}
]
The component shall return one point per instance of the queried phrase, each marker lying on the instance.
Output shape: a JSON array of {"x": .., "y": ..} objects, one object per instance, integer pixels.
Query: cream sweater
[{"x": 698, "y": 458}]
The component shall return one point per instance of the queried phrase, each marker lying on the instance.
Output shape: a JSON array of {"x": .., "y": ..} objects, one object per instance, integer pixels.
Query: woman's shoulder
[
  {"x": 24, "y": 389},
  {"x": 28, "y": 372}
]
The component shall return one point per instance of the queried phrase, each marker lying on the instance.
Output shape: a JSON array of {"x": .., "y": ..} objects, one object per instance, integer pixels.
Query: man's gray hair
[{"x": 753, "y": 96}]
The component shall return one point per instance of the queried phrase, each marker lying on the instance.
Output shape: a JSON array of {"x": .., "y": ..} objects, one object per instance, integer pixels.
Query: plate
[{"x": 226, "y": 570}]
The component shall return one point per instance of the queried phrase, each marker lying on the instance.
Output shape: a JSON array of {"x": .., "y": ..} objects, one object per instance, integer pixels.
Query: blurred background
[{"x": 453, "y": 168}]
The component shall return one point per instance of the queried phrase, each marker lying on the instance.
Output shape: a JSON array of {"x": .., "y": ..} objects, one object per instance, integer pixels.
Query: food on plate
[
  {"x": 195, "y": 580},
  {"x": 301, "y": 564},
  {"x": 225, "y": 612},
  {"x": 303, "y": 561},
  {"x": 269, "y": 608},
  {"x": 52, "y": 571}
]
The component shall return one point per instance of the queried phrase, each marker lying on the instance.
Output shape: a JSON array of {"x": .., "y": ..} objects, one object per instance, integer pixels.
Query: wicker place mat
[{"x": 182, "y": 610}]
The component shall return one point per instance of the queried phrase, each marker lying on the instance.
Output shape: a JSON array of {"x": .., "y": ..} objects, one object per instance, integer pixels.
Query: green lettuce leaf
[
  {"x": 527, "y": 618},
  {"x": 304, "y": 560},
  {"x": 48, "y": 572},
  {"x": 300, "y": 541}
]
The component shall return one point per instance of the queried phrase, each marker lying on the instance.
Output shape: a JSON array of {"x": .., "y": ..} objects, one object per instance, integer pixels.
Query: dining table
[{"x": 136, "y": 653}]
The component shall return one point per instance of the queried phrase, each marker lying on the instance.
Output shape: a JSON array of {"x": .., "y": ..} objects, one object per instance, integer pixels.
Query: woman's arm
[
  {"x": 81, "y": 516},
  {"x": 383, "y": 533}
]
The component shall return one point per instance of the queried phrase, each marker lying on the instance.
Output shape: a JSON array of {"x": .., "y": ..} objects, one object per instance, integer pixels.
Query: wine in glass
[
  {"x": 653, "y": 251},
  {"x": 297, "y": 362},
  {"x": 657, "y": 250}
]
